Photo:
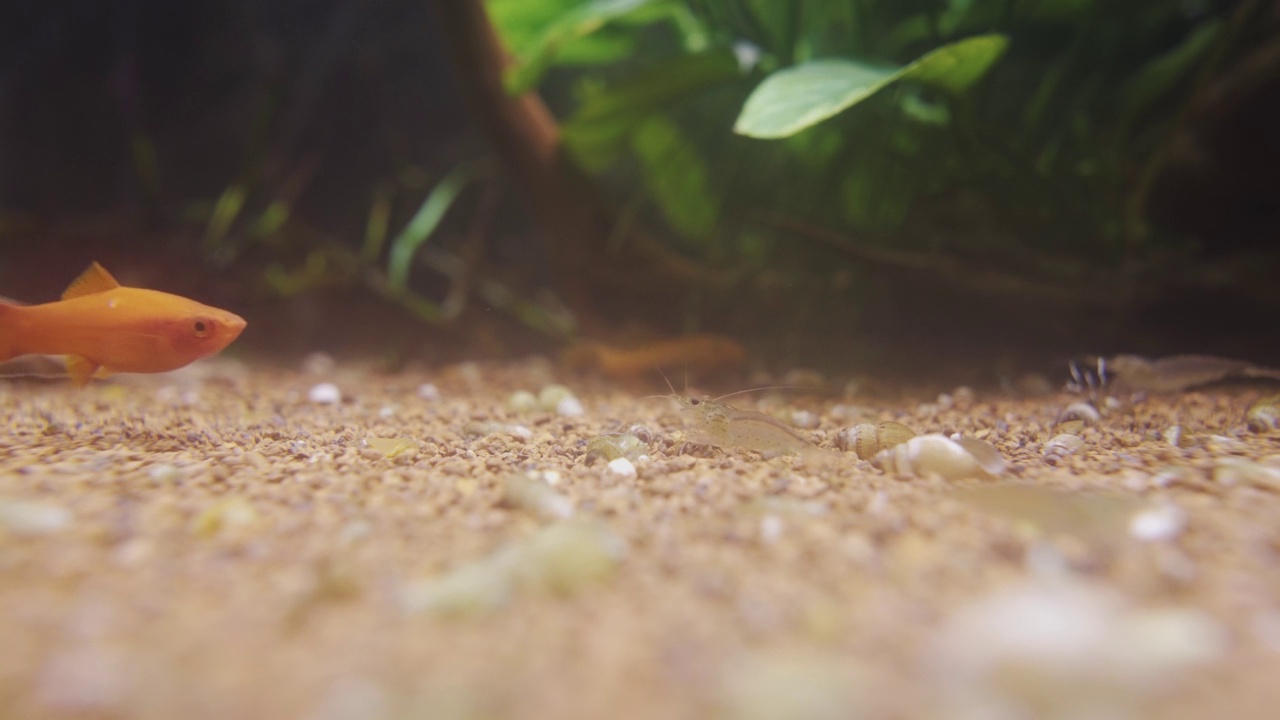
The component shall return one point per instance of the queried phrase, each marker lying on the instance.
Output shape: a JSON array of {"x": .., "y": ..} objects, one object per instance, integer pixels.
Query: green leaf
[
  {"x": 676, "y": 176},
  {"x": 425, "y": 221},
  {"x": 801, "y": 96},
  {"x": 600, "y": 129},
  {"x": 957, "y": 66},
  {"x": 573, "y": 25}
]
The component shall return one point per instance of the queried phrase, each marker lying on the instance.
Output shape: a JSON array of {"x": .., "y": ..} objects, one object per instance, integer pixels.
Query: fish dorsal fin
[{"x": 94, "y": 280}]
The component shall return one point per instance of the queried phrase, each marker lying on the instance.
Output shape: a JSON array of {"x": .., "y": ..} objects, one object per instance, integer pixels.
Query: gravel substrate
[{"x": 255, "y": 543}]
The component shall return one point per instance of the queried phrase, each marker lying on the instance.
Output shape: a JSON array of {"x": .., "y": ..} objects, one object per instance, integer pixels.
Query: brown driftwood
[{"x": 526, "y": 138}]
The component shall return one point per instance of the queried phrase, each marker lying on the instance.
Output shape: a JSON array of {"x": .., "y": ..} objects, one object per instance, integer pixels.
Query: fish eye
[{"x": 202, "y": 328}]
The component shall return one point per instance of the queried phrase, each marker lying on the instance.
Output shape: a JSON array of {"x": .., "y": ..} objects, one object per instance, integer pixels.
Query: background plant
[{"x": 1010, "y": 147}]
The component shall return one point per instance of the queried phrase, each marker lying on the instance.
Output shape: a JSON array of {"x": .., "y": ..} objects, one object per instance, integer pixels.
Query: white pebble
[
  {"x": 325, "y": 394},
  {"x": 805, "y": 419},
  {"x": 163, "y": 474},
  {"x": 1084, "y": 650},
  {"x": 569, "y": 406},
  {"x": 32, "y": 518},
  {"x": 428, "y": 391},
  {"x": 1157, "y": 524},
  {"x": 770, "y": 528},
  {"x": 520, "y": 432},
  {"x": 622, "y": 467}
]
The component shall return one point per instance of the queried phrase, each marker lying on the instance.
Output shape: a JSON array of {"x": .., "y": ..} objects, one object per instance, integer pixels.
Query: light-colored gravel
[{"x": 225, "y": 545}]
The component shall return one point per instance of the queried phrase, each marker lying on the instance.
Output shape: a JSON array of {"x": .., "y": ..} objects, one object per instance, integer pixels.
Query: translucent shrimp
[{"x": 712, "y": 422}]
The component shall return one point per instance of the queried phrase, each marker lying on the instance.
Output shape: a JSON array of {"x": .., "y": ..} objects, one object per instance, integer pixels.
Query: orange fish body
[
  {"x": 695, "y": 352},
  {"x": 103, "y": 328}
]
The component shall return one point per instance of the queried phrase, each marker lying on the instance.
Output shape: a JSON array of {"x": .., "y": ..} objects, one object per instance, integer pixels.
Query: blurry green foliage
[{"x": 969, "y": 125}]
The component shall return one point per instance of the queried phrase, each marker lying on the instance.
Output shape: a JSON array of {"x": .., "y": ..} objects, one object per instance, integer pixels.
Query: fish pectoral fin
[
  {"x": 81, "y": 369},
  {"x": 96, "y": 279}
]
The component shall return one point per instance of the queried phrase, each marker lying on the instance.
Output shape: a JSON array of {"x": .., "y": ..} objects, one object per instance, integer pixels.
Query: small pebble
[
  {"x": 622, "y": 468},
  {"x": 770, "y": 528},
  {"x": 551, "y": 396},
  {"x": 1062, "y": 445},
  {"x": 392, "y": 447},
  {"x": 1174, "y": 436},
  {"x": 1264, "y": 414},
  {"x": 804, "y": 419},
  {"x": 473, "y": 589},
  {"x": 522, "y": 401},
  {"x": 537, "y": 497},
  {"x": 428, "y": 391},
  {"x": 569, "y": 406},
  {"x": 163, "y": 474},
  {"x": 1158, "y": 524},
  {"x": 567, "y": 557},
  {"x": 21, "y": 517},
  {"x": 324, "y": 394},
  {"x": 1236, "y": 471}
]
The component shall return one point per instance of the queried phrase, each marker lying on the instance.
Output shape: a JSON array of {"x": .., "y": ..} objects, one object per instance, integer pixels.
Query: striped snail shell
[{"x": 867, "y": 439}]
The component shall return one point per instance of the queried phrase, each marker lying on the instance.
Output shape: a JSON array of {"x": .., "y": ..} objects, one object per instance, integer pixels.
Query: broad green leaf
[
  {"x": 798, "y": 97},
  {"x": 957, "y": 66},
  {"x": 676, "y": 176},
  {"x": 804, "y": 95},
  {"x": 581, "y": 21},
  {"x": 1161, "y": 73},
  {"x": 599, "y": 131}
]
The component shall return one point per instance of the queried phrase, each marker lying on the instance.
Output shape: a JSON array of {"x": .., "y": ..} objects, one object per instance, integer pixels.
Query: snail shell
[
  {"x": 867, "y": 440},
  {"x": 951, "y": 459},
  {"x": 1084, "y": 412},
  {"x": 1264, "y": 414}
]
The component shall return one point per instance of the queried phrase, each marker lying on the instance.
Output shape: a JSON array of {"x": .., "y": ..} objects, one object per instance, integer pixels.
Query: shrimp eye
[
  {"x": 201, "y": 328},
  {"x": 695, "y": 402}
]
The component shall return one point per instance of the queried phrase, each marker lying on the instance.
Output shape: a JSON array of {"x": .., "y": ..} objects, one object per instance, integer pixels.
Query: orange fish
[
  {"x": 105, "y": 328},
  {"x": 695, "y": 352}
]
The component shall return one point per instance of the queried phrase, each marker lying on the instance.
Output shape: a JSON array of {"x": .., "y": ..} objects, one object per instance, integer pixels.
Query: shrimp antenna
[
  {"x": 667, "y": 380},
  {"x": 767, "y": 387}
]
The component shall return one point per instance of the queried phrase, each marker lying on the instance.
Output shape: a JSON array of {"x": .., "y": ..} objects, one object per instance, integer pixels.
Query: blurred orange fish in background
[
  {"x": 698, "y": 353},
  {"x": 103, "y": 328}
]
